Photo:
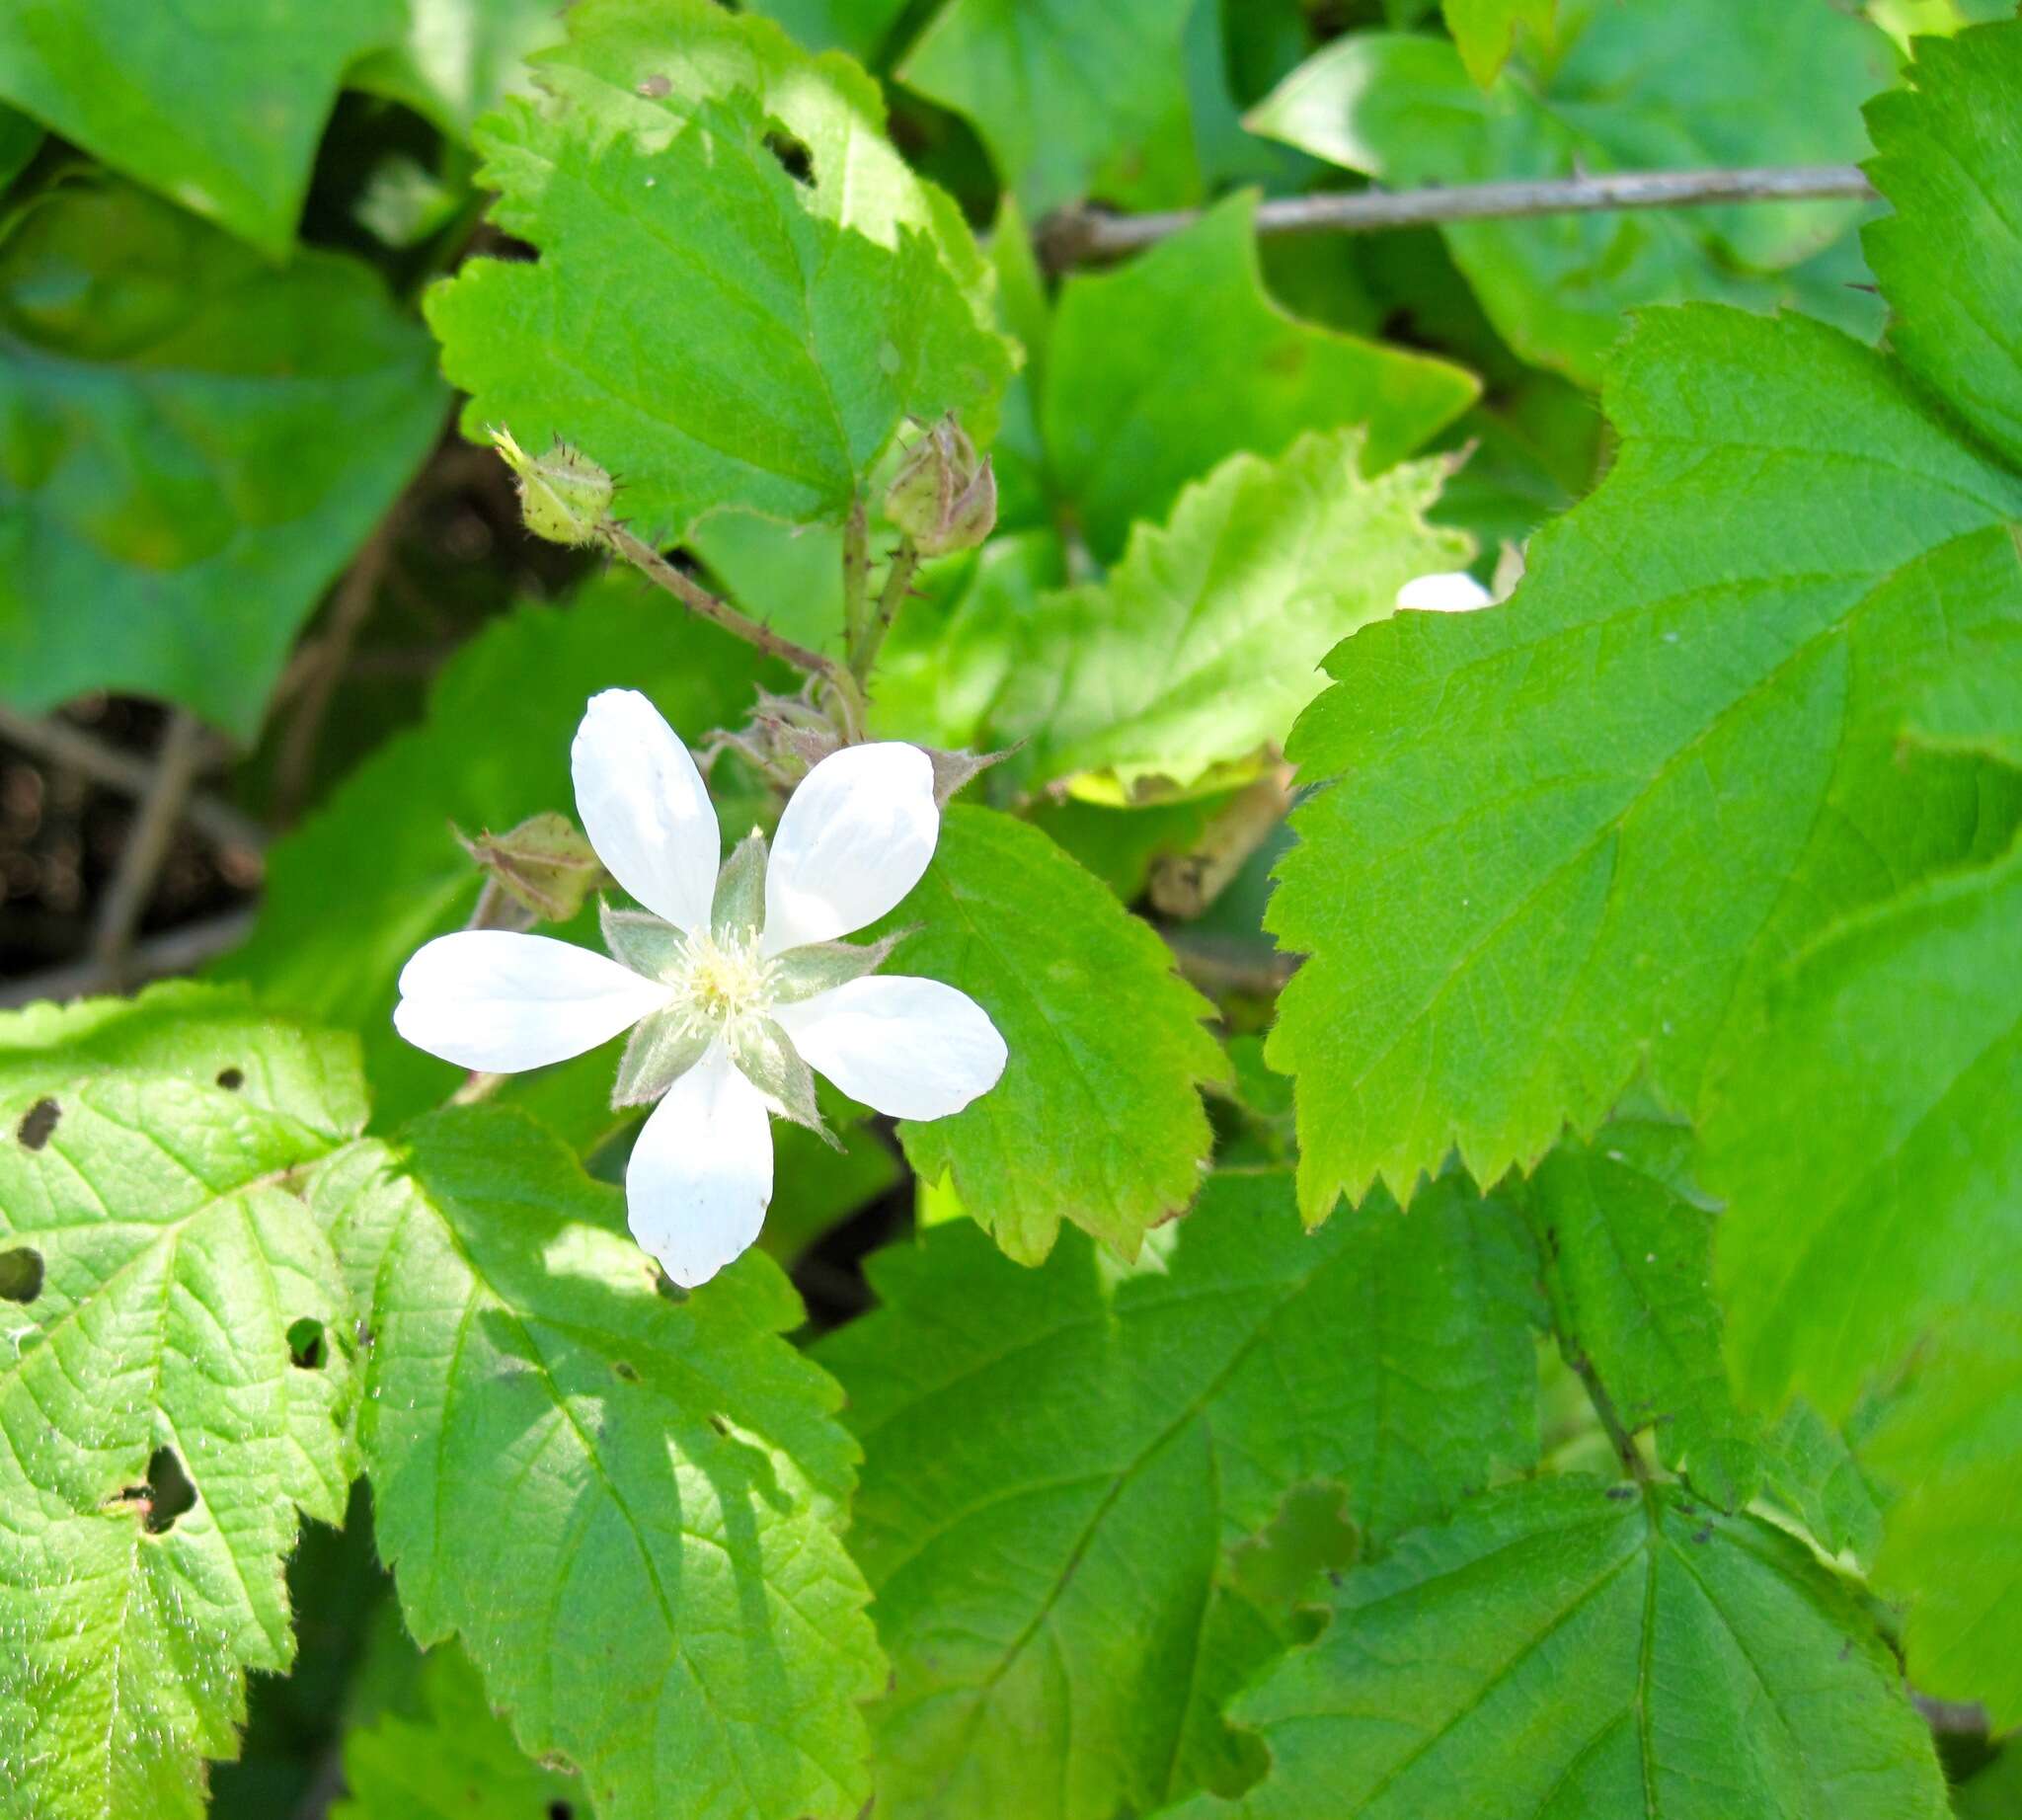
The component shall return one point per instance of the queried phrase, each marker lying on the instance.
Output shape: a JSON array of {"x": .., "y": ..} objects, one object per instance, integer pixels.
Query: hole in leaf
[
  {"x": 305, "y": 1344},
  {"x": 21, "y": 1274},
  {"x": 654, "y": 87},
  {"x": 166, "y": 1494},
  {"x": 794, "y": 159},
  {"x": 38, "y": 1123},
  {"x": 626, "y": 1369},
  {"x": 231, "y": 1079},
  {"x": 561, "y": 1811},
  {"x": 720, "y": 1425}
]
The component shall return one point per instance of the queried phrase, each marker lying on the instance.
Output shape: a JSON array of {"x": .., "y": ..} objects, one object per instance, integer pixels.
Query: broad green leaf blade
[
  {"x": 1125, "y": 429},
  {"x": 1198, "y": 650},
  {"x": 1071, "y": 99},
  {"x": 1098, "y": 1118},
  {"x": 1551, "y": 857},
  {"x": 492, "y": 750},
  {"x": 1486, "y": 31},
  {"x": 19, "y": 139},
  {"x": 1865, "y": 1140},
  {"x": 460, "y": 58},
  {"x": 859, "y": 27},
  {"x": 452, "y": 1760},
  {"x": 177, "y": 1386},
  {"x": 1568, "y": 1648},
  {"x": 1637, "y": 85},
  {"x": 1950, "y": 1443},
  {"x": 198, "y": 443},
  {"x": 1947, "y": 159},
  {"x": 218, "y": 108},
  {"x": 568, "y": 1468},
  {"x": 1056, "y": 1462},
  {"x": 787, "y": 342}
]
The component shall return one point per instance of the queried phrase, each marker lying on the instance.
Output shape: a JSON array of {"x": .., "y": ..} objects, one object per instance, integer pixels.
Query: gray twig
[
  {"x": 1225, "y": 966},
  {"x": 1082, "y": 234},
  {"x": 176, "y": 765},
  {"x": 128, "y": 772},
  {"x": 176, "y": 951},
  {"x": 321, "y": 667}
]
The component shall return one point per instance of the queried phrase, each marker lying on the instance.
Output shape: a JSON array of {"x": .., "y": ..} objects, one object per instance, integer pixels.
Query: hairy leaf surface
[
  {"x": 706, "y": 324},
  {"x": 196, "y": 444},
  {"x": 176, "y": 1384},
  {"x": 1059, "y": 1461},
  {"x": 568, "y": 1468},
  {"x": 1098, "y": 1118}
]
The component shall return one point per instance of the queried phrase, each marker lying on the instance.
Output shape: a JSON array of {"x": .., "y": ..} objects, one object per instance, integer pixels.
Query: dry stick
[
  {"x": 323, "y": 667},
  {"x": 1185, "y": 885},
  {"x": 706, "y": 605},
  {"x": 177, "y": 763},
  {"x": 75, "y": 749},
  {"x": 1225, "y": 966},
  {"x": 1078, "y": 235},
  {"x": 177, "y": 951}
]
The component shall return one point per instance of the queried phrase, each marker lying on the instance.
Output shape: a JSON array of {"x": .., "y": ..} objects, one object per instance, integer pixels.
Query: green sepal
[
  {"x": 821, "y": 966},
  {"x": 767, "y": 1058},
  {"x": 544, "y": 863},
  {"x": 641, "y": 942},
  {"x": 662, "y": 1047},
  {"x": 738, "y": 908}
]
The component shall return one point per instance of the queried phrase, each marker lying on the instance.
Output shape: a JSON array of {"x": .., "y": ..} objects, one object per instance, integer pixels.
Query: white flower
[
  {"x": 1455, "y": 592},
  {"x": 731, "y": 980}
]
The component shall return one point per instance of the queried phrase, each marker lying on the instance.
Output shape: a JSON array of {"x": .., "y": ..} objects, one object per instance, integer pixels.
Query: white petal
[
  {"x": 491, "y": 999},
  {"x": 913, "y": 1049},
  {"x": 853, "y": 842},
  {"x": 1455, "y": 592},
  {"x": 701, "y": 1172},
  {"x": 644, "y": 809}
]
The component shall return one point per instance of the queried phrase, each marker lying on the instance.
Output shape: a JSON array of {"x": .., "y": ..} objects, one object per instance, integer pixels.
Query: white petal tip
[{"x": 1455, "y": 592}]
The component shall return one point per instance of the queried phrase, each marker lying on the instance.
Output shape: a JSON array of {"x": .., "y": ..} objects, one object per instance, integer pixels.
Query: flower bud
[
  {"x": 944, "y": 499},
  {"x": 564, "y": 496},
  {"x": 544, "y": 864}
]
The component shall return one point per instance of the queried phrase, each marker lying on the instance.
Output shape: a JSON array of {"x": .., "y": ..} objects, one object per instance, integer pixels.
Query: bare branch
[
  {"x": 176, "y": 951},
  {"x": 75, "y": 749},
  {"x": 1083, "y": 235},
  {"x": 1229, "y": 966},
  {"x": 1184, "y": 885},
  {"x": 176, "y": 765}
]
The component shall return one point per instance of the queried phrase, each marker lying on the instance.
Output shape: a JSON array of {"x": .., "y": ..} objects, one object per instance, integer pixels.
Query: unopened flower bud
[
  {"x": 564, "y": 496},
  {"x": 944, "y": 497},
  {"x": 544, "y": 863}
]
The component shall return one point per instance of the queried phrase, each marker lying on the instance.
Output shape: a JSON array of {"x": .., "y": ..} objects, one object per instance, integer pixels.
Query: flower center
[{"x": 724, "y": 981}]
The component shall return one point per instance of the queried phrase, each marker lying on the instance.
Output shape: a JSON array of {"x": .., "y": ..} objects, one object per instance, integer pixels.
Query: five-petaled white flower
[{"x": 731, "y": 980}]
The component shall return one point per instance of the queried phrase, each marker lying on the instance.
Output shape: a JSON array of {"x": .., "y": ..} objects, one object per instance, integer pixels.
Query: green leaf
[
  {"x": 460, "y": 58},
  {"x": 859, "y": 27},
  {"x": 453, "y": 1759},
  {"x": 218, "y": 108},
  {"x": 1058, "y": 1462},
  {"x": 568, "y": 1468},
  {"x": 1568, "y": 1648},
  {"x": 1097, "y": 1118},
  {"x": 1071, "y": 99},
  {"x": 796, "y": 324},
  {"x": 19, "y": 139},
  {"x": 1125, "y": 429},
  {"x": 493, "y": 751},
  {"x": 1198, "y": 650},
  {"x": 194, "y": 442},
  {"x": 1637, "y": 85},
  {"x": 1486, "y": 31},
  {"x": 1949, "y": 1443},
  {"x": 1550, "y": 858},
  {"x": 177, "y": 1386},
  {"x": 1946, "y": 157}
]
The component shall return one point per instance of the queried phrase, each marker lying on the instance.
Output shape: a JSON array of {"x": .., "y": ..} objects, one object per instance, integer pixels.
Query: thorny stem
[
  {"x": 856, "y": 572},
  {"x": 1620, "y": 1437},
  {"x": 905, "y": 563},
  {"x": 849, "y": 697}
]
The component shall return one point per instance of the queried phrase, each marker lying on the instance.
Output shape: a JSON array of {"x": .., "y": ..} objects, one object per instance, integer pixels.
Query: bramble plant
[{"x": 1139, "y": 924}]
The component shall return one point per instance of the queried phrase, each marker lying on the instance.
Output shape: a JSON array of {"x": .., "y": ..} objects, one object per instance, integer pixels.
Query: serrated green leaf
[
  {"x": 570, "y": 1469},
  {"x": 1551, "y": 857},
  {"x": 460, "y": 58},
  {"x": 1486, "y": 31},
  {"x": 454, "y": 1759},
  {"x": 859, "y": 27},
  {"x": 1125, "y": 429},
  {"x": 1052, "y": 1479},
  {"x": 1202, "y": 646},
  {"x": 493, "y": 751},
  {"x": 218, "y": 109},
  {"x": 1636, "y": 85},
  {"x": 172, "y": 1312},
  {"x": 174, "y": 492},
  {"x": 1568, "y": 1648},
  {"x": 793, "y": 331},
  {"x": 1098, "y": 1117},
  {"x": 1071, "y": 99},
  {"x": 1948, "y": 161}
]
